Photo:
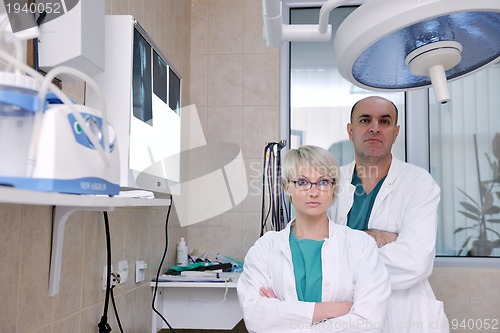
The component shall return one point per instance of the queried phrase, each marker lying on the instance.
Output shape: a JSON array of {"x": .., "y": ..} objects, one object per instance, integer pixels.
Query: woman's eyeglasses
[{"x": 304, "y": 184}]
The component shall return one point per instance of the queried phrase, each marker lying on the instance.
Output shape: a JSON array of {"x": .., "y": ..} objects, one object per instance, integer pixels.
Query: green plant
[{"x": 482, "y": 212}]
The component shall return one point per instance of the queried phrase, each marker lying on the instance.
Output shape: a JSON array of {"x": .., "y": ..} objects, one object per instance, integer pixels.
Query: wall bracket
[{"x": 60, "y": 217}]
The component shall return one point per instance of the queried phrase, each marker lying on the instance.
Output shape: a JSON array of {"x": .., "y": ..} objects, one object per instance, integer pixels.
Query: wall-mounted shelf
[
  {"x": 65, "y": 205},
  {"x": 26, "y": 197}
]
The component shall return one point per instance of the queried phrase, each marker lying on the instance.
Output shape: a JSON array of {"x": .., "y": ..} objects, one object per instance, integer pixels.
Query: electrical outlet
[
  {"x": 105, "y": 276},
  {"x": 117, "y": 277}
]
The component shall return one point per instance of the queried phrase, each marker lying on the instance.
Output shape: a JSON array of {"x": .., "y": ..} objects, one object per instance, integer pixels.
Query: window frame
[{"x": 416, "y": 121}]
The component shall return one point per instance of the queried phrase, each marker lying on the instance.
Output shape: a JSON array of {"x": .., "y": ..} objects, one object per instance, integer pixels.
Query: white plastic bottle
[{"x": 182, "y": 253}]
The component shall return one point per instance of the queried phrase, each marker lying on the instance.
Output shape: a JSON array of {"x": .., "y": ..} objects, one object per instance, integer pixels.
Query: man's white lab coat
[
  {"x": 407, "y": 203},
  {"x": 352, "y": 271}
]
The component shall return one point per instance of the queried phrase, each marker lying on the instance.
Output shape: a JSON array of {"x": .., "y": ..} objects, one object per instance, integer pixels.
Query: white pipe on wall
[
  {"x": 306, "y": 33},
  {"x": 271, "y": 8},
  {"x": 275, "y": 32},
  {"x": 273, "y": 23}
]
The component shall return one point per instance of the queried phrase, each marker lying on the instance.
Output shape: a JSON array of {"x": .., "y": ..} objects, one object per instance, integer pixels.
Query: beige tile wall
[
  {"x": 136, "y": 233},
  {"x": 235, "y": 87}
]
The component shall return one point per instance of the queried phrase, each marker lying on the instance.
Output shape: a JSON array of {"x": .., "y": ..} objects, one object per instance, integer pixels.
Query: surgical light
[{"x": 402, "y": 45}]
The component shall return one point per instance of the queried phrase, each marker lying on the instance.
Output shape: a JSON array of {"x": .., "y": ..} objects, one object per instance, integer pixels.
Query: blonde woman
[{"x": 314, "y": 275}]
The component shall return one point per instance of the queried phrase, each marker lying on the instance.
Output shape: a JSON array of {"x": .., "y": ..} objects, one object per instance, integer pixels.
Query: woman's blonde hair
[{"x": 319, "y": 158}]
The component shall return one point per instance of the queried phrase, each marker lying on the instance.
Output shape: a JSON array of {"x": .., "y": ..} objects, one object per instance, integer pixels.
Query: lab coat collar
[
  {"x": 387, "y": 187},
  {"x": 391, "y": 175},
  {"x": 285, "y": 234},
  {"x": 345, "y": 205},
  {"x": 393, "y": 171}
]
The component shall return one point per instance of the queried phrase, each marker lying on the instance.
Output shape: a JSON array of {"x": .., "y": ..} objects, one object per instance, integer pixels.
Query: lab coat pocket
[
  {"x": 411, "y": 312},
  {"x": 430, "y": 316}
]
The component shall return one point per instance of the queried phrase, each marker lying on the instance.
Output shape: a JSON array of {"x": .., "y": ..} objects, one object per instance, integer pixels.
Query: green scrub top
[
  {"x": 306, "y": 258},
  {"x": 359, "y": 215}
]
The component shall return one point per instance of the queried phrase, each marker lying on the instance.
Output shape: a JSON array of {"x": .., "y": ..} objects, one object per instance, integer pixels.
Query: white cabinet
[{"x": 197, "y": 305}]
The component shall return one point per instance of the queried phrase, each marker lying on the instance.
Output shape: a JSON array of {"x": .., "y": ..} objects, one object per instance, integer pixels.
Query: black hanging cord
[
  {"x": 271, "y": 176},
  {"x": 103, "y": 324},
  {"x": 115, "y": 310},
  {"x": 280, "y": 217},
  {"x": 265, "y": 164},
  {"x": 286, "y": 213},
  {"x": 159, "y": 268}
]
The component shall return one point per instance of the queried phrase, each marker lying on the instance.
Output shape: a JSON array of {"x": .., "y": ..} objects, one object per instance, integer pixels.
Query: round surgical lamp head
[{"x": 397, "y": 45}]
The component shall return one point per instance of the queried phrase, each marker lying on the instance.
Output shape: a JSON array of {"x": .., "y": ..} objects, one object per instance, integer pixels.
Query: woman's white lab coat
[
  {"x": 352, "y": 271},
  {"x": 407, "y": 203}
]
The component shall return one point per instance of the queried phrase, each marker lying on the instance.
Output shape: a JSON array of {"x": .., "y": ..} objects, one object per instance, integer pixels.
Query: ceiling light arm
[
  {"x": 275, "y": 32},
  {"x": 324, "y": 13}
]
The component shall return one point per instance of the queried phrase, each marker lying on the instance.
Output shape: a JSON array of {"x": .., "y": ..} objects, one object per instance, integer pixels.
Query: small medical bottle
[{"x": 182, "y": 253}]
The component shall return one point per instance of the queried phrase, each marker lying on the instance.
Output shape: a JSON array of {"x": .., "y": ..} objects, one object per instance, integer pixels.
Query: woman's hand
[
  {"x": 322, "y": 310},
  {"x": 327, "y": 310}
]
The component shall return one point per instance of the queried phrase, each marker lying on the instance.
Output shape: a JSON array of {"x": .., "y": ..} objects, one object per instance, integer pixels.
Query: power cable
[
  {"x": 103, "y": 324},
  {"x": 159, "y": 268},
  {"x": 116, "y": 311}
]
